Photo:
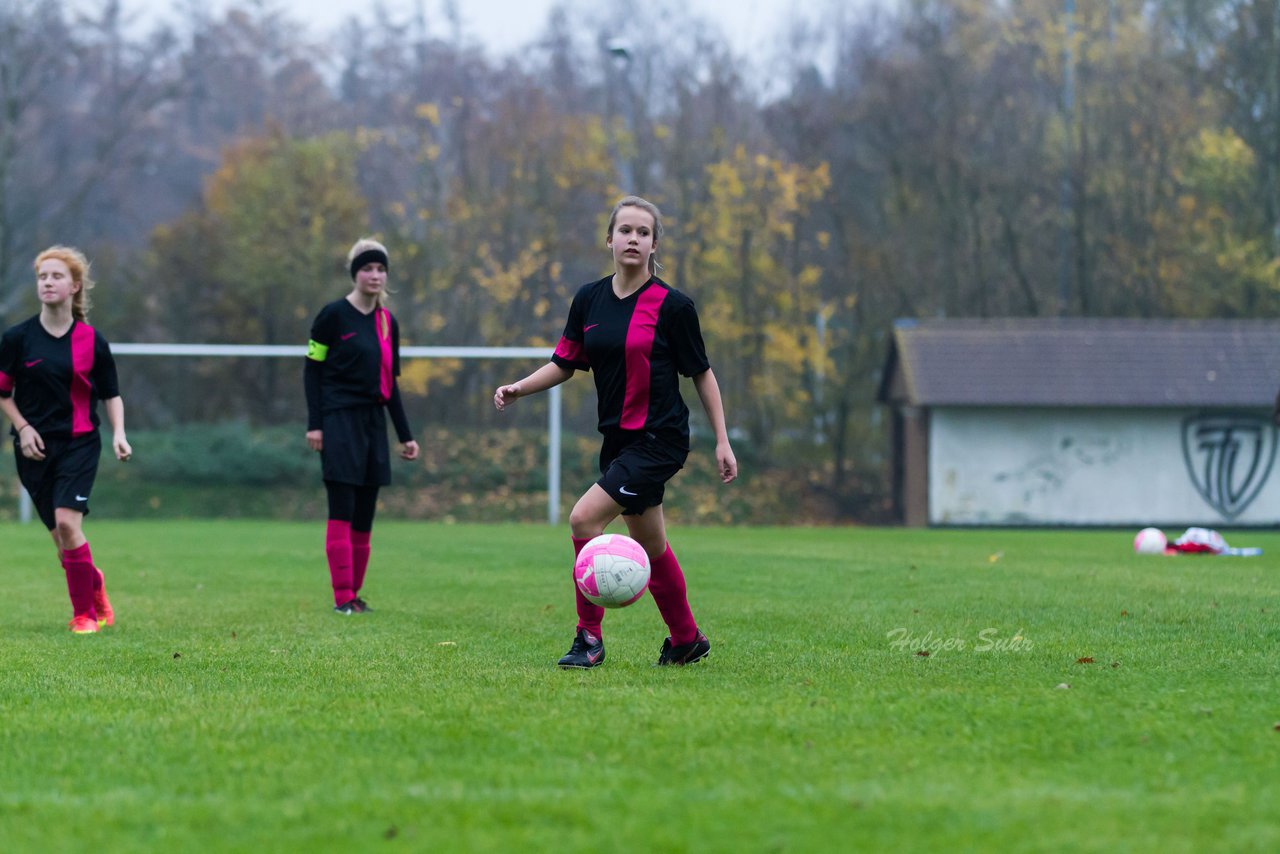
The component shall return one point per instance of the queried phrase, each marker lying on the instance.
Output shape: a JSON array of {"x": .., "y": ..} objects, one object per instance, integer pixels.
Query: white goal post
[{"x": 290, "y": 351}]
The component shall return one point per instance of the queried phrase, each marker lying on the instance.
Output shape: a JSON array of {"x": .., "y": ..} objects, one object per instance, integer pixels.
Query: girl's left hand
[
  {"x": 409, "y": 450},
  {"x": 122, "y": 449},
  {"x": 726, "y": 463}
]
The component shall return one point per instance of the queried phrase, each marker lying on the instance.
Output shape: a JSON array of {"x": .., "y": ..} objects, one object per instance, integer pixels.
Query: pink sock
[
  {"x": 81, "y": 576},
  {"x": 360, "y": 550},
  {"x": 666, "y": 585},
  {"x": 589, "y": 616},
  {"x": 337, "y": 547}
]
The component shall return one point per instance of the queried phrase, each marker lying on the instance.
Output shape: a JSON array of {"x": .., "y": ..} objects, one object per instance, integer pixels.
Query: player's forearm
[
  {"x": 547, "y": 376},
  {"x": 399, "y": 419},
  {"x": 10, "y": 410},
  {"x": 115, "y": 414},
  {"x": 709, "y": 394},
  {"x": 312, "y": 391}
]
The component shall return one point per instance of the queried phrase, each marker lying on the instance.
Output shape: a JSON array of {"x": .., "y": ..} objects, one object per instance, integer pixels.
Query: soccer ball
[
  {"x": 612, "y": 570},
  {"x": 1150, "y": 541}
]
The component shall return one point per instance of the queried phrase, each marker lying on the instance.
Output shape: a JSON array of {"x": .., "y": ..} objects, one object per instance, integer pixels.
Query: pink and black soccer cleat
[
  {"x": 587, "y": 651},
  {"x": 685, "y": 653}
]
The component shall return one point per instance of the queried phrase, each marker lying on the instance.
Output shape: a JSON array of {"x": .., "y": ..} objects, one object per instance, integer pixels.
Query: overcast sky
[{"x": 504, "y": 25}]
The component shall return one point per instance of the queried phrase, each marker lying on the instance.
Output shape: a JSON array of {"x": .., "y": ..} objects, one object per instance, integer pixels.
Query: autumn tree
[
  {"x": 762, "y": 303},
  {"x": 78, "y": 128},
  {"x": 258, "y": 258}
]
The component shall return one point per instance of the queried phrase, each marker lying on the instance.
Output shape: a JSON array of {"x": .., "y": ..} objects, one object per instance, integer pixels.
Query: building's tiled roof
[{"x": 1083, "y": 362}]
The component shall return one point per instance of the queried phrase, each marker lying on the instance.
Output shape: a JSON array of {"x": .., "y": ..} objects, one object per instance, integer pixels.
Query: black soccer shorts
[
  {"x": 356, "y": 449},
  {"x": 64, "y": 478},
  {"x": 635, "y": 466}
]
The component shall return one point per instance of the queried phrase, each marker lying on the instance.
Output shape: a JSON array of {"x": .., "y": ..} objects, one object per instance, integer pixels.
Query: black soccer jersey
[
  {"x": 359, "y": 359},
  {"x": 360, "y": 354},
  {"x": 637, "y": 348},
  {"x": 57, "y": 382}
]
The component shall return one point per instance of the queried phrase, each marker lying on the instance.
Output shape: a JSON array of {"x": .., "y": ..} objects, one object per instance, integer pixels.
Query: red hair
[{"x": 79, "y": 267}]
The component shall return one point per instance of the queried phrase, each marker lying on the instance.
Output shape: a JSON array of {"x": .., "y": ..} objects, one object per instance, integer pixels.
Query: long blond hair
[{"x": 79, "y": 267}]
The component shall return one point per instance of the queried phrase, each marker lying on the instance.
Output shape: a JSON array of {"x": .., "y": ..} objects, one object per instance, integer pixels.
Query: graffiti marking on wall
[
  {"x": 1048, "y": 474},
  {"x": 1229, "y": 457}
]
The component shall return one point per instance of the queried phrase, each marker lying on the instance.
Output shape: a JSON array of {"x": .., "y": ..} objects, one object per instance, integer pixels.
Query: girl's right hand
[
  {"x": 505, "y": 394},
  {"x": 315, "y": 440},
  {"x": 31, "y": 443}
]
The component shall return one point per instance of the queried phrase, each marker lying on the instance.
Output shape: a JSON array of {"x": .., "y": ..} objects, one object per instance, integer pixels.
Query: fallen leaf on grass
[
  {"x": 1085, "y": 660},
  {"x": 924, "y": 653},
  {"x": 1124, "y": 613}
]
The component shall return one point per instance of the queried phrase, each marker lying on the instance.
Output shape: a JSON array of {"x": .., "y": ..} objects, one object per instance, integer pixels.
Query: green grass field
[{"x": 230, "y": 710}]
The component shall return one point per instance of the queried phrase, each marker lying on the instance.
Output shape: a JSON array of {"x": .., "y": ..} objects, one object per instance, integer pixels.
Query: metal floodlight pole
[
  {"x": 1068, "y": 112},
  {"x": 619, "y": 52}
]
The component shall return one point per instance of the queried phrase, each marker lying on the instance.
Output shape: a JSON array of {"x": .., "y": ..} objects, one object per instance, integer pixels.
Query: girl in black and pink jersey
[
  {"x": 54, "y": 368},
  {"x": 353, "y": 359},
  {"x": 639, "y": 336}
]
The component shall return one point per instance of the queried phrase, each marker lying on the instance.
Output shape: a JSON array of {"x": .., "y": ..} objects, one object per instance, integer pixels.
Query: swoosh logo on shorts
[
  {"x": 588, "y": 328},
  {"x": 82, "y": 498},
  {"x": 348, "y": 335},
  {"x": 33, "y": 364},
  {"x": 625, "y": 491}
]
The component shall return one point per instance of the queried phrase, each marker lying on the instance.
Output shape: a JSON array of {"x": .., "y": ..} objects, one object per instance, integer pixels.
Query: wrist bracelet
[{"x": 24, "y": 426}]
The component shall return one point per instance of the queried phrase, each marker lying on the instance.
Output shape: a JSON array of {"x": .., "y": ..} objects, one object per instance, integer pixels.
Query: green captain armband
[{"x": 316, "y": 351}]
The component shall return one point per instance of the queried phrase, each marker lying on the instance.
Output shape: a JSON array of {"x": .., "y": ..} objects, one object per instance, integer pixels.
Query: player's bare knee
[
  {"x": 66, "y": 529},
  {"x": 587, "y": 520},
  {"x": 584, "y": 525}
]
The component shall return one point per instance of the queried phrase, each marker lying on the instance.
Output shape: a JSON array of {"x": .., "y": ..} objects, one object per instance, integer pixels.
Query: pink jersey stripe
[
  {"x": 81, "y": 371},
  {"x": 572, "y": 351},
  {"x": 640, "y": 335},
  {"x": 6, "y": 382},
  {"x": 386, "y": 378}
]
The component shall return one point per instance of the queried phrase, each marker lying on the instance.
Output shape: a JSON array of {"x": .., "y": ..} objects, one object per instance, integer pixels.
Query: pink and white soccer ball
[
  {"x": 612, "y": 570},
  {"x": 1150, "y": 541}
]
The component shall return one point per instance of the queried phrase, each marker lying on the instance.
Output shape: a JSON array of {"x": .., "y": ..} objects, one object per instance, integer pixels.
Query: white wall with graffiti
[{"x": 1102, "y": 467}]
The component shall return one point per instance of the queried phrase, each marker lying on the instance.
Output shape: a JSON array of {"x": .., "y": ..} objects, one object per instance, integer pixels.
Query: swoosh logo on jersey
[
  {"x": 82, "y": 498},
  {"x": 33, "y": 364},
  {"x": 348, "y": 335},
  {"x": 626, "y": 491},
  {"x": 589, "y": 328}
]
